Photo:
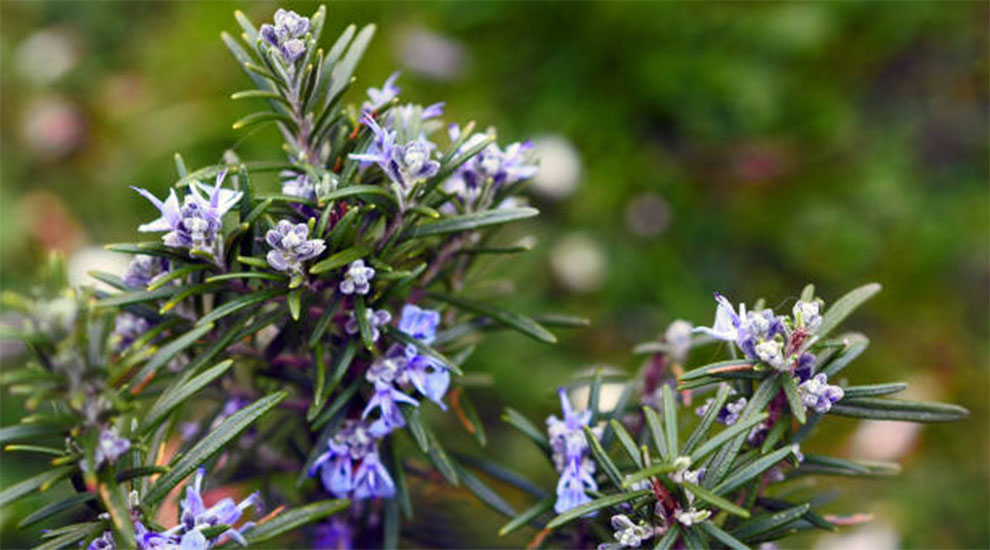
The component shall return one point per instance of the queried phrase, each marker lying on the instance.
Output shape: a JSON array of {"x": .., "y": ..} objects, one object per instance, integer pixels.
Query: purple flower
[
  {"x": 357, "y": 278},
  {"x": 757, "y": 333},
  {"x": 807, "y": 314},
  {"x": 103, "y": 542},
  {"x": 144, "y": 270},
  {"x": 286, "y": 33},
  {"x": 196, "y": 516},
  {"x": 291, "y": 246},
  {"x": 570, "y": 456},
  {"x": 817, "y": 394},
  {"x": 419, "y": 323},
  {"x": 110, "y": 447},
  {"x": 376, "y": 319},
  {"x": 805, "y": 366},
  {"x": 404, "y": 163},
  {"x": 430, "y": 377},
  {"x": 386, "y": 399},
  {"x": 128, "y": 328},
  {"x": 197, "y": 223},
  {"x": 378, "y": 98},
  {"x": 372, "y": 479},
  {"x": 727, "y": 321},
  {"x": 729, "y": 414},
  {"x": 356, "y": 441}
]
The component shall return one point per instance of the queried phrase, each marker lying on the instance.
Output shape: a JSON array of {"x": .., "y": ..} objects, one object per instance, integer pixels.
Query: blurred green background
[{"x": 687, "y": 148}]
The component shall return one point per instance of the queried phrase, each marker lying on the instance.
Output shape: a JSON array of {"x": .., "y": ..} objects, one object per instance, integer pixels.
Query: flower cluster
[
  {"x": 291, "y": 246},
  {"x": 194, "y": 518},
  {"x": 355, "y": 443},
  {"x": 571, "y": 455},
  {"x": 286, "y": 34},
  {"x": 774, "y": 340},
  {"x": 488, "y": 170},
  {"x": 627, "y": 533},
  {"x": 728, "y": 414},
  {"x": 816, "y": 393},
  {"x": 144, "y": 270},
  {"x": 196, "y": 224},
  {"x": 405, "y": 162},
  {"x": 357, "y": 278}
]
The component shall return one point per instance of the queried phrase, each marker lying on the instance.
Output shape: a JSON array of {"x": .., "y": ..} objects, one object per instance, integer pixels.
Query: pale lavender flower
[
  {"x": 419, "y": 323},
  {"x": 807, "y": 315},
  {"x": 197, "y": 223},
  {"x": 291, "y": 246},
  {"x": 110, "y": 447},
  {"x": 817, "y": 394},
  {"x": 430, "y": 377},
  {"x": 404, "y": 163},
  {"x": 354, "y": 442},
  {"x": 376, "y": 320},
  {"x": 286, "y": 34},
  {"x": 380, "y": 97},
  {"x": 357, "y": 278},
  {"x": 691, "y": 516},
  {"x": 103, "y": 542},
  {"x": 385, "y": 399},
  {"x": 730, "y": 412},
  {"x": 144, "y": 270},
  {"x": 727, "y": 321},
  {"x": 627, "y": 533},
  {"x": 195, "y": 516},
  {"x": 299, "y": 186},
  {"x": 678, "y": 339},
  {"x": 571, "y": 456}
]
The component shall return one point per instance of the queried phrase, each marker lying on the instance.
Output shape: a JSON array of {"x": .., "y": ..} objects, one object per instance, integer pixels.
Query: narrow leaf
[
  {"x": 853, "y": 392},
  {"x": 515, "y": 419},
  {"x": 602, "y": 458},
  {"x": 721, "y": 536},
  {"x": 295, "y": 518},
  {"x": 741, "y": 427},
  {"x": 340, "y": 259},
  {"x": 521, "y": 323},
  {"x": 598, "y": 504},
  {"x": 764, "y": 523},
  {"x": 175, "y": 396},
  {"x": 845, "y": 306},
  {"x": 656, "y": 431},
  {"x": 715, "y": 500},
  {"x": 750, "y": 471},
  {"x": 709, "y": 418},
  {"x": 898, "y": 409},
  {"x": 526, "y": 516},
  {"x": 468, "y": 222},
  {"x": 670, "y": 420},
  {"x": 793, "y": 399}
]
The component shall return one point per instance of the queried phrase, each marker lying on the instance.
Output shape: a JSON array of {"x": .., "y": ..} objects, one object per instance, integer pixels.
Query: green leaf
[
  {"x": 830, "y": 465},
  {"x": 54, "y": 508},
  {"x": 294, "y": 301},
  {"x": 715, "y": 500},
  {"x": 168, "y": 277},
  {"x": 763, "y": 523},
  {"x": 845, "y": 306},
  {"x": 240, "y": 303},
  {"x": 705, "y": 370},
  {"x": 418, "y": 429},
  {"x": 628, "y": 444},
  {"x": 440, "y": 458},
  {"x": 468, "y": 222},
  {"x": 174, "y": 396},
  {"x": 212, "y": 444},
  {"x": 342, "y": 71},
  {"x": 521, "y": 323},
  {"x": 808, "y": 293},
  {"x": 811, "y": 516},
  {"x": 601, "y": 456},
  {"x": 648, "y": 472},
  {"x": 115, "y": 502},
  {"x": 898, "y": 409},
  {"x": 295, "y": 518},
  {"x": 750, "y": 471},
  {"x": 709, "y": 418},
  {"x": 515, "y": 419},
  {"x": 247, "y": 275},
  {"x": 773, "y": 436},
  {"x": 598, "y": 504},
  {"x": 656, "y": 431},
  {"x": 721, "y": 536},
  {"x": 22, "y": 432},
  {"x": 871, "y": 390},
  {"x": 793, "y": 399},
  {"x": 526, "y": 516},
  {"x": 137, "y": 297},
  {"x": 260, "y": 117},
  {"x": 329, "y": 310},
  {"x": 363, "y": 191},
  {"x": 502, "y": 474},
  {"x": 66, "y": 539},
  {"x": 337, "y": 404},
  {"x": 670, "y": 420},
  {"x": 484, "y": 493},
  {"x": 668, "y": 539},
  {"x": 720, "y": 465},
  {"x": 167, "y": 353},
  {"x": 741, "y": 427},
  {"x": 34, "y": 484},
  {"x": 364, "y": 327},
  {"x": 340, "y": 259}
]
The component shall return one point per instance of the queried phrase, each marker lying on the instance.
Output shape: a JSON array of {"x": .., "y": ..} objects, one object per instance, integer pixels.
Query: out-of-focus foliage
[{"x": 742, "y": 147}]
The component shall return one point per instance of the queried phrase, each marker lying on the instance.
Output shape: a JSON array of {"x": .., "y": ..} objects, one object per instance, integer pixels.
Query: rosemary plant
[
  {"x": 277, "y": 335},
  {"x": 632, "y": 473}
]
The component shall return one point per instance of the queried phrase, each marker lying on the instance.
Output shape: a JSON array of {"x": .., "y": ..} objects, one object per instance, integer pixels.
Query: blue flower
[
  {"x": 286, "y": 33},
  {"x": 378, "y": 98},
  {"x": 196, "y": 516},
  {"x": 386, "y": 399},
  {"x": 356, "y": 441},
  {"x": 357, "y": 278},
  {"x": 376, "y": 320},
  {"x": 729, "y": 414},
  {"x": 197, "y": 223},
  {"x": 570, "y": 456},
  {"x": 430, "y": 377},
  {"x": 291, "y": 246},
  {"x": 372, "y": 480},
  {"x": 110, "y": 447},
  {"x": 817, "y": 394},
  {"x": 419, "y": 323}
]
